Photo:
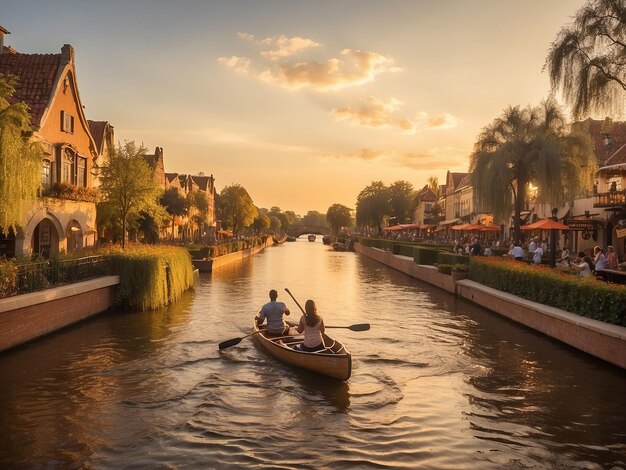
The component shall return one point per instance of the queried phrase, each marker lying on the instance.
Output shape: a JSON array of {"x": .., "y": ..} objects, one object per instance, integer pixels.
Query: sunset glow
[{"x": 302, "y": 103}]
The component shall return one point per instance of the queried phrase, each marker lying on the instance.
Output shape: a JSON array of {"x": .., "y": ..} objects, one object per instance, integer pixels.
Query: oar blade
[
  {"x": 360, "y": 327},
  {"x": 229, "y": 343}
]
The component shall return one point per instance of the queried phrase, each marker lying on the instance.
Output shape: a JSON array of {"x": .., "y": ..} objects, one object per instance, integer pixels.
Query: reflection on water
[{"x": 437, "y": 383}]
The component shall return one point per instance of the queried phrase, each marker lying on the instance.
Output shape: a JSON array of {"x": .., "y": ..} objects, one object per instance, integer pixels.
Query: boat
[
  {"x": 312, "y": 238},
  {"x": 333, "y": 361},
  {"x": 291, "y": 239},
  {"x": 327, "y": 239}
]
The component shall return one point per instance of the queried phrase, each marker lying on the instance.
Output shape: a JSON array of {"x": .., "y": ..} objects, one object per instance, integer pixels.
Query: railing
[
  {"x": 612, "y": 198},
  {"x": 37, "y": 276}
]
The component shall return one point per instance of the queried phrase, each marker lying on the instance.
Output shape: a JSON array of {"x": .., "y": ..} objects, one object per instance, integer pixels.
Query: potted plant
[{"x": 459, "y": 272}]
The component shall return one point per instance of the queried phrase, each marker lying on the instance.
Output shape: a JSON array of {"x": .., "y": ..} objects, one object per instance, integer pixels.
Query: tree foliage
[
  {"x": 20, "y": 160},
  {"x": 127, "y": 185},
  {"x": 314, "y": 218},
  {"x": 587, "y": 61},
  {"x": 402, "y": 201},
  {"x": 529, "y": 145},
  {"x": 175, "y": 204},
  {"x": 238, "y": 209},
  {"x": 436, "y": 209},
  {"x": 372, "y": 205},
  {"x": 261, "y": 222},
  {"x": 339, "y": 216}
]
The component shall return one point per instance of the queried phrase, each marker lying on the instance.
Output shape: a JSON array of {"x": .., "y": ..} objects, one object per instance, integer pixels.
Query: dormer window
[{"x": 67, "y": 122}]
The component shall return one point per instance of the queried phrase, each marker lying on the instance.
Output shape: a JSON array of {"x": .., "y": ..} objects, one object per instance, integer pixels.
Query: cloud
[
  {"x": 274, "y": 65},
  {"x": 438, "y": 158},
  {"x": 388, "y": 114},
  {"x": 238, "y": 64}
]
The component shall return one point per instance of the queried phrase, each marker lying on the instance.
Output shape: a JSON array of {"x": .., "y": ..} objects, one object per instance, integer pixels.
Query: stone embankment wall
[
  {"x": 29, "y": 316},
  {"x": 224, "y": 260},
  {"x": 603, "y": 340}
]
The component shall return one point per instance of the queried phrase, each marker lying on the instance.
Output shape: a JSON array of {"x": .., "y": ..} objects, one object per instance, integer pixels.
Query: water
[{"x": 437, "y": 383}]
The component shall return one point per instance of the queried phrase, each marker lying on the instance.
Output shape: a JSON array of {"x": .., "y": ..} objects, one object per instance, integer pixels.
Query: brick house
[{"x": 64, "y": 217}]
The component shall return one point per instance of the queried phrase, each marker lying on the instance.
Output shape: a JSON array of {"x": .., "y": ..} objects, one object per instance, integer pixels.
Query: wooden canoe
[{"x": 334, "y": 361}]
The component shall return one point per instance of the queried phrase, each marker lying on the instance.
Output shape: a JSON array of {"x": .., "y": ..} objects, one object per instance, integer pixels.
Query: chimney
[
  {"x": 2, "y": 33},
  {"x": 67, "y": 54}
]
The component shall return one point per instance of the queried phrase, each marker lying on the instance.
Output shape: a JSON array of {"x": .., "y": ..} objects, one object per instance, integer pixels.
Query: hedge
[
  {"x": 422, "y": 255},
  {"x": 573, "y": 293},
  {"x": 451, "y": 258},
  {"x": 213, "y": 251},
  {"x": 151, "y": 276}
]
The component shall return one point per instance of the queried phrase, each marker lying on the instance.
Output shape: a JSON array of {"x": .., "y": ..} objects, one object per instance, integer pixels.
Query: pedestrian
[
  {"x": 611, "y": 258},
  {"x": 537, "y": 255},
  {"x": 518, "y": 252}
]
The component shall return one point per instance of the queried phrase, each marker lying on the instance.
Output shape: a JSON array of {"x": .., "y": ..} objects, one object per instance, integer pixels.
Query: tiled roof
[
  {"x": 465, "y": 181},
  {"x": 613, "y": 154},
  {"x": 97, "y": 129},
  {"x": 457, "y": 178},
  {"x": 36, "y": 74},
  {"x": 203, "y": 182}
]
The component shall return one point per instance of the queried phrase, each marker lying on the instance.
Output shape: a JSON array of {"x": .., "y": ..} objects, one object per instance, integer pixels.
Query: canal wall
[
  {"x": 602, "y": 340},
  {"x": 24, "y": 317},
  {"x": 224, "y": 260}
]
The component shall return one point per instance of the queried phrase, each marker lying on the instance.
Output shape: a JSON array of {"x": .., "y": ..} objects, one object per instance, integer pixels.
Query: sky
[{"x": 303, "y": 103}]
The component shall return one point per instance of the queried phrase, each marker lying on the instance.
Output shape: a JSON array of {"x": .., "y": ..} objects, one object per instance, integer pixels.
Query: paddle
[
  {"x": 232, "y": 342},
  {"x": 294, "y": 299},
  {"x": 356, "y": 327}
]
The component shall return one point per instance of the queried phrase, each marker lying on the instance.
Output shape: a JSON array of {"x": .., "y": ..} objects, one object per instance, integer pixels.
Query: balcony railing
[
  {"x": 38, "y": 276},
  {"x": 610, "y": 199}
]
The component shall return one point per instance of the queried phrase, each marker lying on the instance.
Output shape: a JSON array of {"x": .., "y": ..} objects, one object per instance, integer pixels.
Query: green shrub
[
  {"x": 422, "y": 255},
  {"x": 445, "y": 268},
  {"x": 8, "y": 279},
  {"x": 451, "y": 258},
  {"x": 404, "y": 250},
  {"x": 151, "y": 276},
  {"x": 583, "y": 296}
]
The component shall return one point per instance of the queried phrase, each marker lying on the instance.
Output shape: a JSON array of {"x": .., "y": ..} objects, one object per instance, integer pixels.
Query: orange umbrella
[
  {"x": 545, "y": 224},
  {"x": 459, "y": 227},
  {"x": 469, "y": 227},
  {"x": 491, "y": 228},
  {"x": 393, "y": 227}
]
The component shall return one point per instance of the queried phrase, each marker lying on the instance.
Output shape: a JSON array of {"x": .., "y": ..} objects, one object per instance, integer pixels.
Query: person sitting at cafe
[
  {"x": 584, "y": 265},
  {"x": 611, "y": 258}
]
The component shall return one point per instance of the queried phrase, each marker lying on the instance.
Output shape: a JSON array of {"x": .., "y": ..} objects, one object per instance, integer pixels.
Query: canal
[{"x": 437, "y": 383}]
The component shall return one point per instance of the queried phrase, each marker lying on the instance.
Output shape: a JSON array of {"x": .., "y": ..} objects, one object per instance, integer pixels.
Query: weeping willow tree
[
  {"x": 530, "y": 145},
  {"x": 372, "y": 205},
  {"x": 20, "y": 159},
  {"x": 587, "y": 61}
]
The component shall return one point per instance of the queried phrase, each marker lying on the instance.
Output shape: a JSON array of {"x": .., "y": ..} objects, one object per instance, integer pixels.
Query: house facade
[{"x": 64, "y": 217}]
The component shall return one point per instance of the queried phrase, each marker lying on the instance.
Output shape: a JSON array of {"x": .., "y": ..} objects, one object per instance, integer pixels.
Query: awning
[
  {"x": 470, "y": 227},
  {"x": 449, "y": 222},
  {"x": 491, "y": 228},
  {"x": 226, "y": 233},
  {"x": 459, "y": 227},
  {"x": 545, "y": 224},
  {"x": 402, "y": 227}
]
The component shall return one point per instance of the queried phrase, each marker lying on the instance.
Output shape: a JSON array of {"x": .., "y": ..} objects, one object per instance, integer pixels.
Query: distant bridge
[{"x": 317, "y": 230}]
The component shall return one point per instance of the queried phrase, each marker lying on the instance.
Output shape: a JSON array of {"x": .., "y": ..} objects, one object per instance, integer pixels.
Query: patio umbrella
[
  {"x": 545, "y": 224},
  {"x": 491, "y": 228},
  {"x": 469, "y": 227},
  {"x": 393, "y": 228},
  {"x": 459, "y": 227},
  {"x": 551, "y": 225}
]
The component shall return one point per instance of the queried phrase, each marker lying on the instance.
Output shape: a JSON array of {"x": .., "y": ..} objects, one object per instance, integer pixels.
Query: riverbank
[
  {"x": 602, "y": 340},
  {"x": 214, "y": 264}
]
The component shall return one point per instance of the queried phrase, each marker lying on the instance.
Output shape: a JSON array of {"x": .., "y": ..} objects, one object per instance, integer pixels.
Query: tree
[
  {"x": 261, "y": 223},
  {"x": 197, "y": 208},
  {"x": 275, "y": 223},
  {"x": 238, "y": 210},
  {"x": 587, "y": 61},
  {"x": 402, "y": 200},
  {"x": 372, "y": 205},
  {"x": 314, "y": 218},
  {"x": 339, "y": 216},
  {"x": 20, "y": 160},
  {"x": 435, "y": 208},
  {"x": 175, "y": 204},
  {"x": 127, "y": 184},
  {"x": 523, "y": 146}
]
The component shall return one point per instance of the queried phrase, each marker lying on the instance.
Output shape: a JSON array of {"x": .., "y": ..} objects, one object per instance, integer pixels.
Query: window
[
  {"x": 66, "y": 167},
  {"x": 67, "y": 122},
  {"x": 45, "y": 174},
  {"x": 81, "y": 180}
]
